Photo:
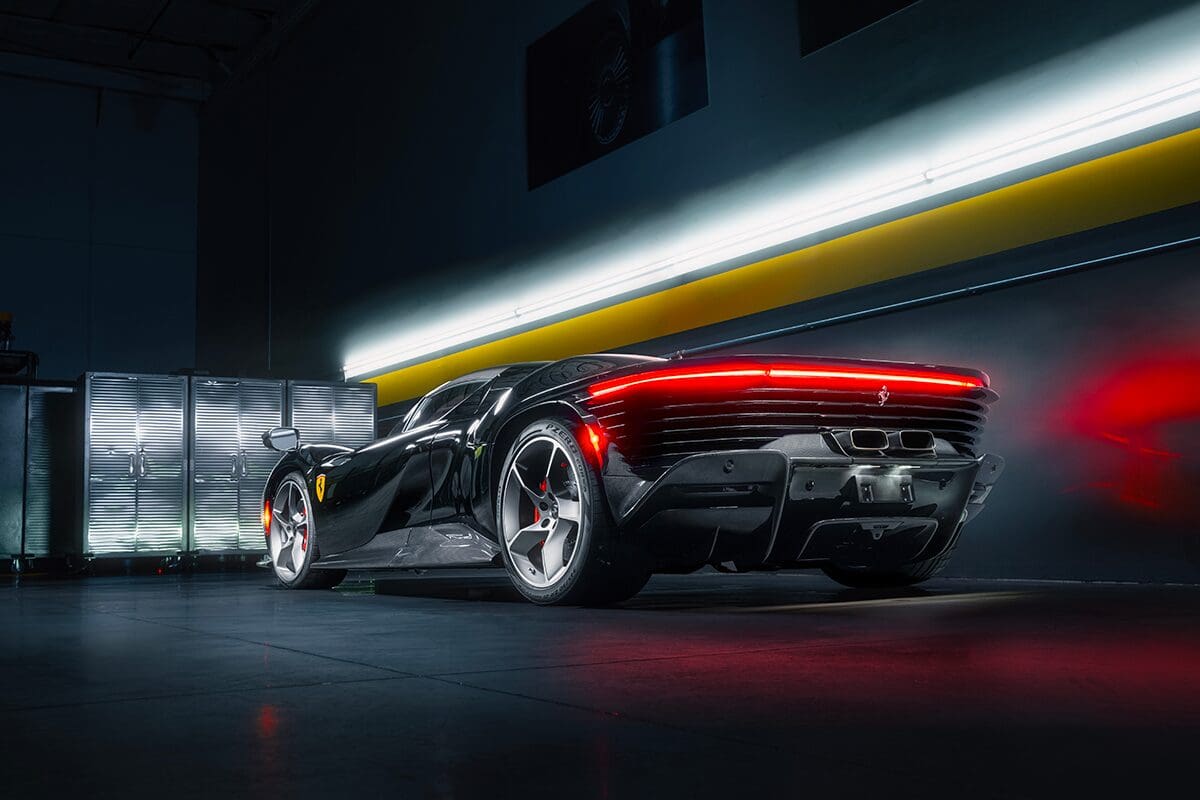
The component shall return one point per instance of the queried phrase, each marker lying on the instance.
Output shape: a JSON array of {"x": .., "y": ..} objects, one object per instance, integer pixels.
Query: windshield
[{"x": 437, "y": 405}]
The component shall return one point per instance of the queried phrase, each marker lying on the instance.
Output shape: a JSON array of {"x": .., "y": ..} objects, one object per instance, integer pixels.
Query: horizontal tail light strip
[
  {"x": 800, "y": 407},
  {"x": 817, "y": 377},
  {"x": 752, "y": 401},
  {"x": 811, "y": 421}
]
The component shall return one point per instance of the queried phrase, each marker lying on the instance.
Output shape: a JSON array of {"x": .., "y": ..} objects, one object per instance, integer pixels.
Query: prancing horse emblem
[
  {"x": 883, "y": 395},
  {"x": 320, "y": 488}
]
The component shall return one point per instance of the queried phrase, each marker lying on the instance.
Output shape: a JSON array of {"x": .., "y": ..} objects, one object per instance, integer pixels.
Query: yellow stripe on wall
[{"x": 1145, "y": 179}]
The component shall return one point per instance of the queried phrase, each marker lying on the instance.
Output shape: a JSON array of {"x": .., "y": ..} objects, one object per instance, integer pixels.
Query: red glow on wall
[
  {"x": 1139, "y": 420},
  {"x": 817, "y": 376},
  {"x": 1140, "y": 396}
]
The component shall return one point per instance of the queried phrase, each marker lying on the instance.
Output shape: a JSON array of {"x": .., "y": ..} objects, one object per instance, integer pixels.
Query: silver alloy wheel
[
  {"x": 289, "y": 540},
  {"x": 541, "y": 512}
]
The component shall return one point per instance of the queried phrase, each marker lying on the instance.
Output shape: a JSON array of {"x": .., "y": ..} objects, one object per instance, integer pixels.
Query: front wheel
[
  {"x": 557, "y": 537},
  {"x": 292, "y": 539}
]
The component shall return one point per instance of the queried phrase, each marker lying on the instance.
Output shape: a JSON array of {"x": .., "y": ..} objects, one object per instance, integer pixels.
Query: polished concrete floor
[{"x": 704, "y": 685}]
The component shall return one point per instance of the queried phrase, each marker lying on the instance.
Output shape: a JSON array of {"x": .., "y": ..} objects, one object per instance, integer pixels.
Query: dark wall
[
  {"x": 1099, "y": 380},
  {"x": 376, "y": 167},
  {"x": 232, "y": 301},
  {"x": 98, "y": 226},
  {"x": 375, "y": 171}
]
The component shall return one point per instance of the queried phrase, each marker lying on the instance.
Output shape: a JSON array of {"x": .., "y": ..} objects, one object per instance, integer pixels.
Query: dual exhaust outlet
[{"x": 876, "y": 440}]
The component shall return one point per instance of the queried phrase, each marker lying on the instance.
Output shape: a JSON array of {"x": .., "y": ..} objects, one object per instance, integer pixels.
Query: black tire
[
  {"x": 321, "y": 579},
  {"x": 604, "y": 569},
  {"x": 308, "y": 576},
  {"x": 908, "y": 575}
]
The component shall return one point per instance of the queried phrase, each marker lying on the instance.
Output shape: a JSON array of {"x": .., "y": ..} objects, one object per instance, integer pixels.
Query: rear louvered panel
[
  {"x": 215, "y": 464},
  {"x": 162, "y": 489},
  {"x": 654, "y": 432},
  {"x": 341, "y": 414},
  {"x": 110, "y": 518},
  {"x": 260, "y": 409}
]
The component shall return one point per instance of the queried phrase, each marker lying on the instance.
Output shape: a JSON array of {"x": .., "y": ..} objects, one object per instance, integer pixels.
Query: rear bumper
[{"x": 800, "y": 504}]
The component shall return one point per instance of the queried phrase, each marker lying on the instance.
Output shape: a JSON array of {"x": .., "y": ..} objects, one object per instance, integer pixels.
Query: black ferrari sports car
[{"x": 584, "y": 476}]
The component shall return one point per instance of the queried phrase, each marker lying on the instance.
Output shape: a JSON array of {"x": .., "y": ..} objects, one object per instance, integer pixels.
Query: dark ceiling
[{"x": 204, "y": 40}]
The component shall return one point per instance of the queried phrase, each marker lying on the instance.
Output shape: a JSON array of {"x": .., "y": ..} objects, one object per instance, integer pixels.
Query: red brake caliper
[{"x": 537, "y": 515}]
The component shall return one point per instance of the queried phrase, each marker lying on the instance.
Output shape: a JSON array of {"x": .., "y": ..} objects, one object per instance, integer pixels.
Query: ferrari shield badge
[{"x": 320, "y": 488}]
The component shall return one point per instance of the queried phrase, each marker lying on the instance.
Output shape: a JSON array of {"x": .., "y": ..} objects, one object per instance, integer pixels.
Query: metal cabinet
[
  {"x": 333, "y": 413},
  {"x": 39, "y": 468},
  {"x": 12, "y": 456},
  {"x": 135, "y": 464},
  {"x": 174, "y": 464},
  {"x": 230, "y": 465},
  {"x": 51, "y": 470}
]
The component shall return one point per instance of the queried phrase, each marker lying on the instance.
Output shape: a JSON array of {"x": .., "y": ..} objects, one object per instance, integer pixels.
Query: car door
[
  {"x": 448, "y": 465},
  {"x": 385, "y": 486},
  {"x": 381, "y": 487}
]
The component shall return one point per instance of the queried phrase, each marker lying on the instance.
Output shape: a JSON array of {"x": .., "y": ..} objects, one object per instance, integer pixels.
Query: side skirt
[{"x": 447, "y": 544}]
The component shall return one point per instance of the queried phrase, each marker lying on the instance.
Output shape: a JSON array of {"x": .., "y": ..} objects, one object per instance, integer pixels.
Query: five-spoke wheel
[
  {"x": 543, "y": 516},
  {"x": 289, "y": 529},
  {"x": 556, "y": 534},
  {"x": 291, "y": 540}
]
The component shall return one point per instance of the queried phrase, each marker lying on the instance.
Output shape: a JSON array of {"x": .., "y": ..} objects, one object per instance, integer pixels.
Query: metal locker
[
  {"x": 12, "y": 466},
  {"x": 261, "y": 410},
  {"x": 135, "y": 464},
  {"x": 230, "y": 465},
  {"x": 51, "y": 470},
  {"x": 333, "y": 413}
]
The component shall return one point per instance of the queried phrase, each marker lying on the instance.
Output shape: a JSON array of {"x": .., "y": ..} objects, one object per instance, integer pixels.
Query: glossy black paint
[
  {"x": 419, "y": 487},
  {"x": 425, "y": 495}
]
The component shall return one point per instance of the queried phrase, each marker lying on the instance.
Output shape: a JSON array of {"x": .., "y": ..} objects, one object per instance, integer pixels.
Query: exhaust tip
[
  {"x": 868, "y": 439},
  {"x": 916, "y": 440}
]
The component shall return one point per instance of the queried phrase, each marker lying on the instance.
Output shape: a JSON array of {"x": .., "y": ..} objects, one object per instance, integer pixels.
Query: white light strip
[{"x": 1156, "y": 108}]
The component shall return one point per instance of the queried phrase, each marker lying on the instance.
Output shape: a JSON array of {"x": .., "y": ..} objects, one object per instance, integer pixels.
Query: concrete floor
[{"x": 704, "y": 685}]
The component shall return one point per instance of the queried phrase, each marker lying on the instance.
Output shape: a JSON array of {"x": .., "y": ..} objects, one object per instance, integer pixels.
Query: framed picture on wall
[{"x": 612, "y": 73}]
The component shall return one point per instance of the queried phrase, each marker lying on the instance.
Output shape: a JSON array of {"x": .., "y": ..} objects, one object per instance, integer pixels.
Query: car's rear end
[{"x": 764, "y": 461}]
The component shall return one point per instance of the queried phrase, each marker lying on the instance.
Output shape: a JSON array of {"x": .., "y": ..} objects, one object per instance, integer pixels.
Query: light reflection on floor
[{"x": 704, "y": 685}]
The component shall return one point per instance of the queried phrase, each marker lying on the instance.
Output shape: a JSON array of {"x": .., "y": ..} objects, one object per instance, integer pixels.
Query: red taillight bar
[{"x": 821, "y": 376}]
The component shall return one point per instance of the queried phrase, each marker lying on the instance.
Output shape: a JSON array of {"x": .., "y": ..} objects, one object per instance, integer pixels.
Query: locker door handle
[
  {"x": 234, "y": 465},
  {"x": 244, "y": 463},
  {"x": 132, "y": 464},
  {"x": 141, "y": 462}
]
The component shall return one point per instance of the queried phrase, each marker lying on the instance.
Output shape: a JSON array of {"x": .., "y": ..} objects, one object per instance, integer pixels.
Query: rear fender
[{"x": 499, "y": 440}]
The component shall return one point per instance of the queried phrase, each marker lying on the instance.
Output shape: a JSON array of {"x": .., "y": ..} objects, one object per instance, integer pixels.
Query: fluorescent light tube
[{"x": 1161, "y": 106}]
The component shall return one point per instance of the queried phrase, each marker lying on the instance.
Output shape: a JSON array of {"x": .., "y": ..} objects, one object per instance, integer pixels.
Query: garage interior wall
[
  {"x": 1098, "y": 373},
  {"x": 375, "y": 169},
  {"x": 97, "y": 224}
]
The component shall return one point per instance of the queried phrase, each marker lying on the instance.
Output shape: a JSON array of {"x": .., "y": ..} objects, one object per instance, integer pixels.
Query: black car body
[{"x": 866, "y": 469}]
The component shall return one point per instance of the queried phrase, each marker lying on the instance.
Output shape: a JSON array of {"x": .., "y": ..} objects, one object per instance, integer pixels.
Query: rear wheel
[
  {"x": 557, "y": 537},
  {"x": 292, "y": 539}
]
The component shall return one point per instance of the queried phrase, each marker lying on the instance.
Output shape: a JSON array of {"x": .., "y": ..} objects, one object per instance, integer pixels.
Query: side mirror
[{"x": 282, "y": 439}]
